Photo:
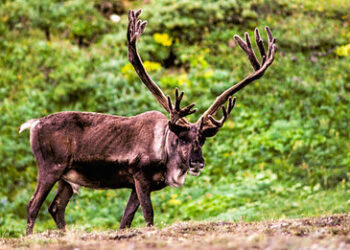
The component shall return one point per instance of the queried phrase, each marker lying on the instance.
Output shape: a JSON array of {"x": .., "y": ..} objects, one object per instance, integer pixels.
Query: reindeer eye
[{"x": 182, "y": 141}]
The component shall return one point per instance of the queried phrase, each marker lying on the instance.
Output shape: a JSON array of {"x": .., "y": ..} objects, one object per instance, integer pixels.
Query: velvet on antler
[
  {"x": 177, "y": 116},
  {"x": 209, "y": 125}
]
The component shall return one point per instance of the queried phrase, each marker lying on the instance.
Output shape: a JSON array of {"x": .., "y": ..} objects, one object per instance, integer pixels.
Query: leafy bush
[{"x": 79, "y": 20}]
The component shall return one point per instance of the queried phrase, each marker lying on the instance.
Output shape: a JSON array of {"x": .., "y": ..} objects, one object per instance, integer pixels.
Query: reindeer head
[
  {"x": 184, "y": 151},
  {"x": 186, "y": 139}
]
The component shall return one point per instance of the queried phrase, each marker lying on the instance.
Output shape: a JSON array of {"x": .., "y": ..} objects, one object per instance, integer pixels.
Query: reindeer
[{"x": 144, "y": 153}]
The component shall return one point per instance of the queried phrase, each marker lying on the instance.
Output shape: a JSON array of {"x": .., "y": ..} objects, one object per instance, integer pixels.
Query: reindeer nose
[
  {"x": 197, "y": 165},
  {"x": 195, "y": 168}
]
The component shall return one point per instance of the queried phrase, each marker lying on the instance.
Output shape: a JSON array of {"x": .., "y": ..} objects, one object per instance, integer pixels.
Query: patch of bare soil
[{"x": 331, "y": 232}]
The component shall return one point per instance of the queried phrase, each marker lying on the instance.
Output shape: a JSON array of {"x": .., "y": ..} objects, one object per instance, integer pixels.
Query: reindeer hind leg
[
  {"x": 43, "y": 188},
  {"x": 48, "y": 175}
]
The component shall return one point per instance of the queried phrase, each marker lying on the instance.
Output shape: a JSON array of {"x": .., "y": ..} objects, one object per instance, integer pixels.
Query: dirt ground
[{"x": 331, "y": 232}]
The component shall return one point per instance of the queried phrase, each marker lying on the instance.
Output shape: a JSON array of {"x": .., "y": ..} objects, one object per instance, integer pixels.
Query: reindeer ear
[
  {"x": 177, "y": 129},
  {"x": 210, "y": 132},
  {"x": 207, "y": 131}
]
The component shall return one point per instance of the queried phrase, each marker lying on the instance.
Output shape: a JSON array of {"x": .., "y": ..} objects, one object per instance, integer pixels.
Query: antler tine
[
  {"x": 252, "y": 57},
  {"x": 135, "y": 30},
  {"x": 260, "y": 45},
  {"x": 169, "y": 103},
  {"x": 177, "y": 113},
  {"x": 259, "y": 69},
  {"x": 201, "y": 124},
  {"x": 269, "y": 34},
  {"x": 178, "y": 98},
  {"x": 226, "y": 112}
]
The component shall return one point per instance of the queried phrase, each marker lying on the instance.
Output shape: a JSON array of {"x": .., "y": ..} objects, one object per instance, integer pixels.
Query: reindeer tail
[{"x": 28, "y": 124}]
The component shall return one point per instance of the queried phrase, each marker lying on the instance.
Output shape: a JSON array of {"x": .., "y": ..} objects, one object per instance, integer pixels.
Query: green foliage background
[{"x": 285, "y": 152}]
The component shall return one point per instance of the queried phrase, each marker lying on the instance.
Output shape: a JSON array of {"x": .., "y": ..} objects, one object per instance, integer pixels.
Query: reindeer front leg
[
  {"x": 143, "y": 191},
  {"x": 131, "y": 208}
]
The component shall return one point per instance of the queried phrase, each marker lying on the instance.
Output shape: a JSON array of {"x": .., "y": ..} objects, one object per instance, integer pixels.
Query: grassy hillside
[{"x": 285, "y": 151}]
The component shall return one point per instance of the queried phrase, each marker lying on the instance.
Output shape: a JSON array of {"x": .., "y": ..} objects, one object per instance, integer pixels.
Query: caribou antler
[
  {"x": 226, "y": 112},
  {"x": 207, "y": 121},
  {"x": 177, "y": 113},
  {"x": 135, "y": 29}
]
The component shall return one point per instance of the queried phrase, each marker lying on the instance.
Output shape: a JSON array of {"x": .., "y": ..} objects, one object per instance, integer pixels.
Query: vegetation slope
[{"x": 285, "y": 151}]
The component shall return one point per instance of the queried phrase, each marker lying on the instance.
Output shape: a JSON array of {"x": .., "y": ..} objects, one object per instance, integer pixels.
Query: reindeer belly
[{"x": 101, "y": 177}]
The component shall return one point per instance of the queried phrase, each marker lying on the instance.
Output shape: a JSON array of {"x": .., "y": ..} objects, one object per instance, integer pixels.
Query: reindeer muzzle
[{"x": 195, "y": 168}]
